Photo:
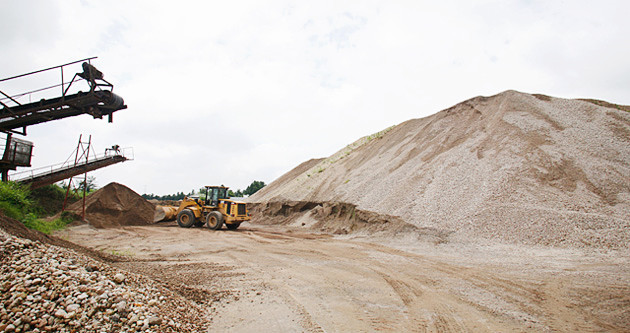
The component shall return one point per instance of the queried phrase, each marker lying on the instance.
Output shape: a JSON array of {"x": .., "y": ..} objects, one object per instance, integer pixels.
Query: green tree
[
  {"x": 237, "y": 194},
  {"x": 254, "y": 187},
  {"x": 176, "y": 196},
  {"x": 89, "y": 184}
]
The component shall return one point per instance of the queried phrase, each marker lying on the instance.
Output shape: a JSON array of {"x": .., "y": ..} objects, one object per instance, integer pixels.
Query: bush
[
  {"x": 11, "y": 211},
  {"x": 48, "y": 200},
  {"x": 14, "y": 200},
  {"x": 17, "y": 202},
  {"x": 14, "y": 193}
]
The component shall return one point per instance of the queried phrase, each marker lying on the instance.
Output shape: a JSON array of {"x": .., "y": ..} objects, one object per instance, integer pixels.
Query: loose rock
[
  {"x": 119, "y": 278},
  {"x": 48, "y": 288}
]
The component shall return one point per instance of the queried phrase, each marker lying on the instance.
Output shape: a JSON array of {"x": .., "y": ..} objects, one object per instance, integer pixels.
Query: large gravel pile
[
  {"x": 114, "y": 205},
  {"x": 46, "y": 288},
  {"x": 515, "y": 167}
]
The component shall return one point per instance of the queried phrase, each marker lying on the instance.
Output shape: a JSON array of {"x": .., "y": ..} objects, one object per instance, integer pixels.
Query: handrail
[
  {"x": 47, "y": 69},
  {"x": 127, "y": 153},
  {"x": 33, "y": 91},
  {"x": 65, "y": 86}
]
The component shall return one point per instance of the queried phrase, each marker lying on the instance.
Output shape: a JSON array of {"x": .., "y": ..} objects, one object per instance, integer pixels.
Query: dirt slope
[
  {"x": 513, "y": 167},
  {"x": 115, "y": 205}
]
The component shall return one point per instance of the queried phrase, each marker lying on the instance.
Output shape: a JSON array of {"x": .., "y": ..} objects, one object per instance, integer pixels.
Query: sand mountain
[{"x": 512, "y": 167}]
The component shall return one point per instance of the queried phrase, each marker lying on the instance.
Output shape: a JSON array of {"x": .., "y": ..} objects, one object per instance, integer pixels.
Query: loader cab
[{"x": 214, "y": 194}]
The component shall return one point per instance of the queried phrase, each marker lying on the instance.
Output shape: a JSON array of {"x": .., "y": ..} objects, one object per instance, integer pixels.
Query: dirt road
[{"x": 262, "y": 278}]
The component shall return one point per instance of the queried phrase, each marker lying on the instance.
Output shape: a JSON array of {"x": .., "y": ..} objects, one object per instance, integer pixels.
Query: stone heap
[{"x": 46, "y": 288}]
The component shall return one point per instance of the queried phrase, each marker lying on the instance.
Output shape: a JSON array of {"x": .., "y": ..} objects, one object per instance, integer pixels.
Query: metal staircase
[{"x": 81, "y": 161}]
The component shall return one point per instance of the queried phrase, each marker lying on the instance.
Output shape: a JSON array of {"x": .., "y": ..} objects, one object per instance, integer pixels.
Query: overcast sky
[{"x": 227, "y": 92}]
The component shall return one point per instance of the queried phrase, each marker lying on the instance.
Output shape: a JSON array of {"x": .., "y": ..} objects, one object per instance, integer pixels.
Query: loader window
[
  {"x": 215, "y": 194},
  {"x": 214, "y": 197}
]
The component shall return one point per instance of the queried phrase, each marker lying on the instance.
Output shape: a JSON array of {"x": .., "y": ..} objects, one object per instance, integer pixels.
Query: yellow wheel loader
[{"x": 215, "y": 210}]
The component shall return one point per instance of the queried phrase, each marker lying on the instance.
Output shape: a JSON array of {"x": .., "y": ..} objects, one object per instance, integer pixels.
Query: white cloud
[{"x": 230, "y": 92}]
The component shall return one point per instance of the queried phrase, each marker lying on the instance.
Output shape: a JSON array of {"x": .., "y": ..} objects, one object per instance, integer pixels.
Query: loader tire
[
  {"x": 186, "y": 218},
  {"x": 232, "y": 226},
  {"x": 214, "y": 220}
]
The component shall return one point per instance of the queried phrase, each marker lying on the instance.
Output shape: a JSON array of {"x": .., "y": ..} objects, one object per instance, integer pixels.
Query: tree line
[
  {"x": 254, "y": 187},
  {"x": 173, "y": 197}
]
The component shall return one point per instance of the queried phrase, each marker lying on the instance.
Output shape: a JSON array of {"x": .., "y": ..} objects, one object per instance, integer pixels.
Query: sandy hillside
[{"x": 514, "y": 167}]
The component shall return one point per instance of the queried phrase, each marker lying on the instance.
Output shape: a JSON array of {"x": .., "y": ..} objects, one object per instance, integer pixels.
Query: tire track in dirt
[
  {"x": 432, "y": 310},
  {"x": 519, "y": 294},
  {"x": 523, "y": 301},
  {"x": 293, "y": 281},
  {"x": 408, "y": 295},
  {"x": 539, "y": 302},
  {"x": 305, "y": 319}
]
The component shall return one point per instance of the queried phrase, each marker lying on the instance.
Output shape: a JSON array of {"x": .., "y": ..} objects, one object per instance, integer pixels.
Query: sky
[{"x": 228, "y": 92}]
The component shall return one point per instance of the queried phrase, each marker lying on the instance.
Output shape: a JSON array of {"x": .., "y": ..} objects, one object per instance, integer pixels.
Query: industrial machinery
[
  {"x": 16, "y": 153},
  {"x": 215, "y": 210},
  {"x": 99, "y": 101},
  {"x": 45, "y": 105}
]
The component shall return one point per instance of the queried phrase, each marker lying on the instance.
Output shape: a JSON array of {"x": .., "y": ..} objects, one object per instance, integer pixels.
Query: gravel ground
[{"x": 47, "y": 288}]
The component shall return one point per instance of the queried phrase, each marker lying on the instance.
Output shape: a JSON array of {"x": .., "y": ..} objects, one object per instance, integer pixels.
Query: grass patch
[
  {"x": 11, "y": 211},
  {"x": 47, "y": 227},
  {"x": 14, "y": 200},
  {"x": 343, "y": 153},
  {"x": 22, "y": 204},
  {"x": 380, "y": 134}
]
